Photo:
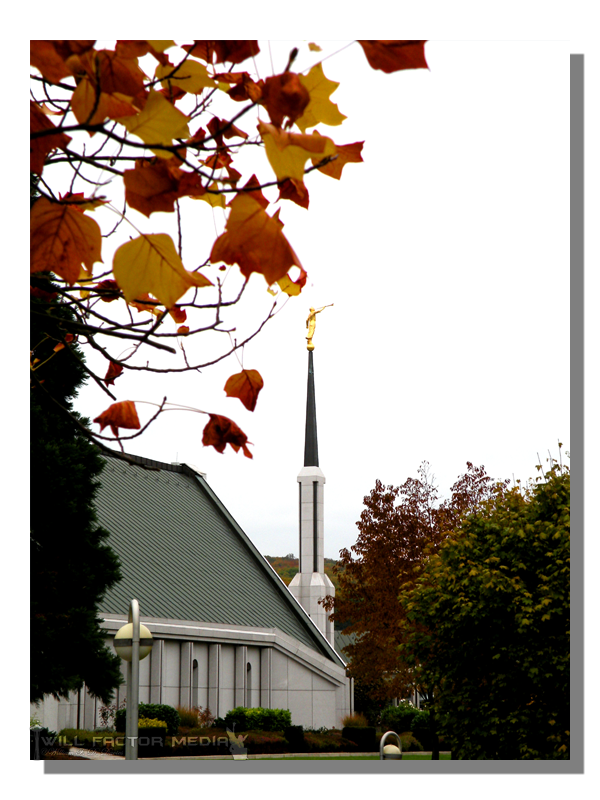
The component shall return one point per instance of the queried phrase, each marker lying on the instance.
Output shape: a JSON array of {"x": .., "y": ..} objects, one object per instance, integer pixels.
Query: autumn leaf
[
  {"x": 108, "y": 290},
  {"x": 314, "y": 48},
  {"x": 39, "y": 148},
  {"x": 183, "y": 330},
  {"x": 320, "y": 108},
  {"x": 245, "y": 385},
  {"x": 110, "y": 106},
  {"x": 158, "y": 123},
  {"x": 114, "y": 370},
  {"x": 150, "y": 263},
  {"x": 221, "y": 431},
  {"x": 253, "y": 240},
  {"x": 284, "y": 96},
  {"x": 288, "y": 152},
  {"x": 79, "y": 202},
  {"x": 62, "y": 239},
  {"x": 119, "y": 415},
  {"x": 153, "y": 185},
  {"x": 146, "y": 303},
  {"x": 213, "y": 197},
  {"x": 190, "y": 77},
  {"x": 178, "y": 314},
  {"x": 346, "y": 154},
  {"x": 114, "y": 74},
  {"x": 294, "y": 190},
  {"x": 50, "y": 57},
  {"x": 392, "y": 55},
  {"x": 290, "y": 287},
  {"x": 232, "y": 51}
]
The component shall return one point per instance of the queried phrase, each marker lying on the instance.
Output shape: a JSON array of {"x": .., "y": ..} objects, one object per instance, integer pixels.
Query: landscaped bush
[
  {"x": 355, "y": 721},
  {"x": 410, "y": 743},
  {"x": 257, "y": 719},
  {"x": 188, "y": 717},
  {"x": 145, "y": 722},
  {"x": 153, "y": 711},
  {"x": 364, "y": 738},
  {"x": 399, "y": 718}
]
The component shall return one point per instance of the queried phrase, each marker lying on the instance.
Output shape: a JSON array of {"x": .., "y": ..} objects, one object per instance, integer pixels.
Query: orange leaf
[
  {"x": 50, "y": 57},
  {"x": 39, "y": 148},
  {"x": 183, "y": 330},
  {"x": 146, "y": 303},
  {"x": 391, "y": 55},
  {"x": 109, "y": 290},
  {"x": 119, "y": 415},
  {"x": 59, "y": 346},
  {"x": 220, "y": 431},
  {"x": 295, "y": 190},
  {"x": 233, "y": 51},
  {"x": 115, "y": 74},
  {"x": 152, "y": 186},
  {"x": 62, "y": 239},
  {"x": 178, "y": 314},
  {"x": 84, "y": 102},
  {"x": 284, "y": 96},
  {"x": 346, "y": 154},
  {"x": 245, "y": 385},
  {"x": 253, "y": 240},
  {"x": 114, "y": 370}
]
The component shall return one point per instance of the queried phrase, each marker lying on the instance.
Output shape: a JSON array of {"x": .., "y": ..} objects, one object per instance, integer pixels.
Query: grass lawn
[{"x": 405, "y": 757}]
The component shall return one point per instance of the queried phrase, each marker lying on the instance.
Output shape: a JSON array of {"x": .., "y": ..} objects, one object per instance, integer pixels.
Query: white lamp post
[{"x": 133, "y": 642}]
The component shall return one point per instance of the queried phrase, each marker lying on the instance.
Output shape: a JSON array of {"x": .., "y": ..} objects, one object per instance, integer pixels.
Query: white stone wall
[{"x": 283, "y": 674}]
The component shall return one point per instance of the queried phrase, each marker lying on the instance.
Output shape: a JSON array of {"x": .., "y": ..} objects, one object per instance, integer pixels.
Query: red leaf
[
  {"x": 284, "y": 96},
  {"x": 391, "y": 55},
  {"x": 109, "y": 290},
  {"x": 178, "y": 314},
  {"x": 233, "y": 51},
  {"x": 39, "y": 148},
  {"x": 295, "y": 190},
  {"x": 220, "y": 431},
  {"x": 119, "y": 415},
  {"x": 114, "y": 370},
  {"x": 245, "y": 385}
]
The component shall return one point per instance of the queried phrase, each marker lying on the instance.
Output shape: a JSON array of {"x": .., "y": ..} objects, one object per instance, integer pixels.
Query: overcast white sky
[{"x": 446, "y": 256}]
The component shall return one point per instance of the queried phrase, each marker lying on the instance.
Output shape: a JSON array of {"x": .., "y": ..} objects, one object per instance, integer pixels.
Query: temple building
[{"x": 227, "y": 630}]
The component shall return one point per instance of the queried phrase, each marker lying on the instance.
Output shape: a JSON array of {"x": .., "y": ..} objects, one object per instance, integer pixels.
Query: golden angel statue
[{"x": 311, "y": 323}]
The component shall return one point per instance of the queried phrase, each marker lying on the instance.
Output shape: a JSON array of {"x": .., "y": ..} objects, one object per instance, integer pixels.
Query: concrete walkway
[{"x": 94, "y": 755}]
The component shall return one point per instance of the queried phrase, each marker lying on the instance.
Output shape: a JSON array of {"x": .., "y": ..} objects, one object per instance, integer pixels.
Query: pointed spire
[{"x": 311, "y": 449}]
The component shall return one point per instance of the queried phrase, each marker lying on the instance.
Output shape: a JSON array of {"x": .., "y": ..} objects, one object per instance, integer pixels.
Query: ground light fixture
[
  {"x": 133, "y": 642},
  {"x": 390, "y": 751}
]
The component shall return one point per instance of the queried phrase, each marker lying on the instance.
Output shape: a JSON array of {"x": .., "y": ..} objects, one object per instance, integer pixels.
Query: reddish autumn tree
[
  {"x": 151, "y": 126},
  {"x": 398, "y": 529}
]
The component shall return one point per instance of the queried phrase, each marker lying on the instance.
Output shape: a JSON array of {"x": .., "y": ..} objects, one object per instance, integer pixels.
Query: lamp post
[
  {"x": 390, "y": 751},
  {"x": 133, "y": 642}
]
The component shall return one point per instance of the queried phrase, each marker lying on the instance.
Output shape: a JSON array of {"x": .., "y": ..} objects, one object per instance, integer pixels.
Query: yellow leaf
[
  {"x": 320, "y": 108},
  {"x": 158, "y": 123},
  {"x": 160, "y": 45},
  {"x": 314, "y": 47},
  {"x": 151, "y": 264},
  {"x": 190, "y": 77},
  {"x": 214, "y": 200},
  {"x": 84, "y": 101},
  {"x": 288, "y": 152}
]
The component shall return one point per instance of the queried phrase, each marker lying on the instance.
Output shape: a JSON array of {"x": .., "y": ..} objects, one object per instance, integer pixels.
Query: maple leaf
[
  {"x": 50, "y": 57},
  {"x": 114, "y": 370},
  {"x": 113, "y": 73},
  {"x": 119, "y": 415},
  {"x": 294, "y": 190},
  {"x": 233, "y": 51},
  {"x": 109, "y": 106},
  {"x": 39, "y": 148},
  {"x": 62, "y": 239},
  {"x": 191, "y": 76},
  {"x": 158, "y": 123},
  {"x": 153, "y": 185},
  {"x": 392, "y": 55},
  {"x": 320, "y": 108},
  {"x": 284, "y": 96},
  {"x": 290, "y": 287},
  {"x": 253, "y": 240},
  {"x": 288, "y": 152},
  {"x": 150, "y": 263},
  {"x": 221, "y": 431},
  {"x": 245, "y": 385},
  {"x": 346, "y": 154}
]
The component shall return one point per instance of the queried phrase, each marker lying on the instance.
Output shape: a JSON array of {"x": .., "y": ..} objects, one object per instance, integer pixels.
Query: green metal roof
[{"x": 183, "y": 556}]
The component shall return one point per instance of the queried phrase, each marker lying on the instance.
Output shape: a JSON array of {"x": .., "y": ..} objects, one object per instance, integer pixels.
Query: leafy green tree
[
  {"x": 71, "y": 565},
  {"x": 490, "y": 626}
]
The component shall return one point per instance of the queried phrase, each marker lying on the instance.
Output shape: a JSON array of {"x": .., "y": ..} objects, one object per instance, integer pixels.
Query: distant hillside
[{"x": 287, "y": 566}]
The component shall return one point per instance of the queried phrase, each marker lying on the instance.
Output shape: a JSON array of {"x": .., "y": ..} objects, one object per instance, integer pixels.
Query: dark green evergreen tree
[{"x": 71, "y": 564}]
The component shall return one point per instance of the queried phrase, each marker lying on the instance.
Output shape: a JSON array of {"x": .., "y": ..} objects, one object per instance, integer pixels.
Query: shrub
[
  {"x": 153, "y": 711},
  {"x": 399, "y": 718},
  {"x": 409, "y": 742},
  {"x": 258, "y": 719},
  {"x": 145, "y": 722},
  {"x": 355, "y": 721},
  {"x": 188, "y": 717},
  {"x": 364, "y": 738}
]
